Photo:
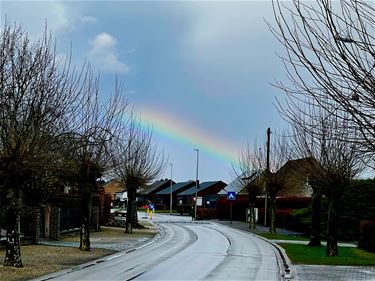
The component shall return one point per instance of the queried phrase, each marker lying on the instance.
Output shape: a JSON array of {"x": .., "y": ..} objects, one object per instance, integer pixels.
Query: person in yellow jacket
[{"x": 151, "y": 209}]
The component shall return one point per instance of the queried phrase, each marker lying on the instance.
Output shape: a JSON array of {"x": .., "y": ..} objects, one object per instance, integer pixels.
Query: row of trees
[
  {"x": 329, "y": 104},
  {"x": 57, "y": 131}
]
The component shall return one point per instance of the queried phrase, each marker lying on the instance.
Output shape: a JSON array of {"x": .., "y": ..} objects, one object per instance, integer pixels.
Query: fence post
[
  {"x": 54, "y": 222},
  {"x": 35, "y": 235}
]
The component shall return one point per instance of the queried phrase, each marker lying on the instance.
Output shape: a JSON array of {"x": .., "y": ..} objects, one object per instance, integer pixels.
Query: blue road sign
[{"x": 231, "y": 195}]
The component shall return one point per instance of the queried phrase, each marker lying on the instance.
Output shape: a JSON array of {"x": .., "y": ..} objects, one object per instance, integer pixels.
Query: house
[
  {"x": 116, "y": 190},
  {"x": 164, "y": 194},
  {"x": 238, "y": 206},
  {"x": 148, "y": 192},
  {"x": 292, "y": 176},
  {"x": 296, "y": 178},
  {"x": 237, "y": 185},
  {"x": 207, "y": 190},
  {"x": 295, "y": 192}
]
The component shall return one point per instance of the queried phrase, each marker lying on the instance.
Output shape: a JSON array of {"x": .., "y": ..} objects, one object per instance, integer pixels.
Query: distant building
[
  {"x": 237, "y": 185},
  {"x": 296, "y": 178},
  {"x": 164, "y": 194},
  {"x": 148, "y": 192},
  {"x": 295, "y": 192},
  {"x": 116, "y": 189},
  {"x": 207, "y": 190}
]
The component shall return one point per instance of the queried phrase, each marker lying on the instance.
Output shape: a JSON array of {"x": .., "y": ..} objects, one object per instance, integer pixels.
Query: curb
[{"x": 288, "y": 273}]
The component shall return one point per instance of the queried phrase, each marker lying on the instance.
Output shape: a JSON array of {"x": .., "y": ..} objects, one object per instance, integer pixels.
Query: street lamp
[
  {"x": 268, "y": 172},
  {"x": 170, "y": 198},
  {"x": 196, "y": 186}
]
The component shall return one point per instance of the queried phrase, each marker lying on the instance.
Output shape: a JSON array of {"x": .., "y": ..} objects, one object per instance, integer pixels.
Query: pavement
[
  {"x": 115, "y": 246},
  {"x": 303, "y": 272}
]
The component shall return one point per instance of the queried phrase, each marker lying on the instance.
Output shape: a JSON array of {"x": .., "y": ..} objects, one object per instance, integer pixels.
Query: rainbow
[{"x": 170, "y": 126}]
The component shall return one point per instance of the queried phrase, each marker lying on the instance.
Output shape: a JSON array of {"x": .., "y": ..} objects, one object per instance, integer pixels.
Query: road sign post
[
  {"x": 231, "y": 196},
  {"x": 231, "y": 212}
]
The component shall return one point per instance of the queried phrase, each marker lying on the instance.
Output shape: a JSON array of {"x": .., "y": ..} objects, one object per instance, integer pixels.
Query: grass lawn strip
[
  {"x": 277, "y": 236},
  {"x": 302, "y": 254}
]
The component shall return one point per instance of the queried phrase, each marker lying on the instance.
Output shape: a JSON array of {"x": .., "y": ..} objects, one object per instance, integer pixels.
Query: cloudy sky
[{"x": 198, "y": 72}]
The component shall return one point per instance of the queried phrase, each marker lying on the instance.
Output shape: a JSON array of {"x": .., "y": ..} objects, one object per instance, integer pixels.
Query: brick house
[
  {"x": 207, "y": 190},
  {"x": 164, "y": 194},
  {"x": 148, "y": 192}
]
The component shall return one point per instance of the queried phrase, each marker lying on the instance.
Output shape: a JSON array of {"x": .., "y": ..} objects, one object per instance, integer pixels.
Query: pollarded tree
[
  {"x": 93, "y": 129},
  {"x": 322, "y": 137},
  {"x": 263, "y": 169},
  {"x": 330, "y": 59},
  {"x": 248, "y": 170},
  {"x": 36, "y": 93},
  {"x": 136, "y": 162}
]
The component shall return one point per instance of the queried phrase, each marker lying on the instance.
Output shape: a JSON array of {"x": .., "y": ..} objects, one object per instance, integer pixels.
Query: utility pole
[
  {"x": 196, "y": 186},
  {"x": 267, "y": 171},
  {"x": 170, "y": 196}
]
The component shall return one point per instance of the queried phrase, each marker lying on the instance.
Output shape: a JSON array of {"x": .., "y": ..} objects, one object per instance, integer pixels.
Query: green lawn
[
  {"x": 301, "y": 254},
  {"x": 277, "y": 236}
]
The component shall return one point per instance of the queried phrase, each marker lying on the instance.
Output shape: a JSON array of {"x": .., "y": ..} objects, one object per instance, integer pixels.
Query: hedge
[{"x": 367, "y": 235}]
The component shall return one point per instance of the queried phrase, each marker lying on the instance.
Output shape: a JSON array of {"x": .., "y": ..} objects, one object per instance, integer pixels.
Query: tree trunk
[
  {"x": 332, "y": 249},
  {"x": 131, "y": 211},
  {"x": 12, "y": 248},
  {"x": 315, "y": 220},
  {"x": 130, "y": 208},
  {"x": 135, "y": 214},
  {"x": 252, "y": 222},
  {"x": 84, "y": 243},
  {"x": 35, "y": 228},
  {"x": 272, "y": 212}
]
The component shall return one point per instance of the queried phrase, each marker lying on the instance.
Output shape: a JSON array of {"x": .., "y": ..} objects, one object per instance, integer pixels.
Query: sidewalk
[
  {"x": 315, "y": 272},
  {"x": 115, "y": 243}
]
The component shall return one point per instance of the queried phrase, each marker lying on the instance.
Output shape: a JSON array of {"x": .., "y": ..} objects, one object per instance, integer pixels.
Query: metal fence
[{"x": 70, "y": 218}]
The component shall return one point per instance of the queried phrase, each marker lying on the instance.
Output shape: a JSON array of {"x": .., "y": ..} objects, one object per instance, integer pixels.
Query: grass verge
[
  {"x": 277, "y": 236},
  {"x": 302, "y": 254}
]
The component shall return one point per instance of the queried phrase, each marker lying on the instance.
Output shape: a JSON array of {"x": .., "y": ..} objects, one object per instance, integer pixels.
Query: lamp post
[
  {"x": 196, "y": 186},
  {"x": 267, "y": 171},
  {"x": 170, "y": 198}
]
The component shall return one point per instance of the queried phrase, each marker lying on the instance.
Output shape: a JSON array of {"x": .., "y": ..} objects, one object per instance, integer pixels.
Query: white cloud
[
  {"x": 59, "y": 16},
  {"x": 225, "y": 43},
  {"x": 33, "y": 16},
  {"x": 88, "y": 20},
  {"x": 103, "y": 54}
]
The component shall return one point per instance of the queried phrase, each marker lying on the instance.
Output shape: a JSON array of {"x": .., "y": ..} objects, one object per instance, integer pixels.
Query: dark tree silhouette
[
  {"x": 253, "y": 167},
  {"x": 136, "y": 162},
  {"x": 93, "y": 129},
  {"x": 330, "y": 59},
  {"x": 333, "y": 162},
  {"x": 37, "y": 91}
]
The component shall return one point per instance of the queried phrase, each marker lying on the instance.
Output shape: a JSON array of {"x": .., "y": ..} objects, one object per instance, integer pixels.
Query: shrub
[
  {"x": 206, "y": 213},
  {"x": 367, "y": 235},
  {"x": 355, "y": 205}
]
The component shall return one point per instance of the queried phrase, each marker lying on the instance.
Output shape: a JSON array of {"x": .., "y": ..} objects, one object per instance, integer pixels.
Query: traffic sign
[{"x": 231, "y": 195}]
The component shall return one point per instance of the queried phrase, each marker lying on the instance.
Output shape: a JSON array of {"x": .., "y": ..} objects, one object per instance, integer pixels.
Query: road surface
[{"x": 187, "y": 250}]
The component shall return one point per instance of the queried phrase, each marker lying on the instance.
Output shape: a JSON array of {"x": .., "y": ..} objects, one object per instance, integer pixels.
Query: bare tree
[
  {"x": 330, "y": 59},
  {"x": 136, "y": 162},
  {"x": 92, "y": 128},
  {"x": 263, "y": 170},
  {"x": 248, "y": 169},
  {"x": 36, "y": 92},
  {"x": 333, "y": 162}
]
